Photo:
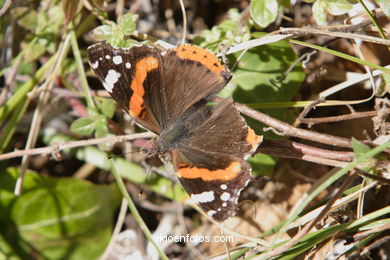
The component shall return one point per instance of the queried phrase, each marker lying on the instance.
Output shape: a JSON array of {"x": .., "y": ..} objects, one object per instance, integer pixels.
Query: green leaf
[
  {"x": 227, "y": 33},
  {"x": 284, "y": 4},
  {"x": 102, "y": 131},
  {"x": 101, "y": 126},
  {"x": 262, "y": 164},
  {"x": 25, "y": 17},
  {"x": 55, "y": 218},
  {"x": 264, "y": 12},
  {"x": 105, "y": 32},
  {"x": 83, "y": 126},
  {"x": 106, "y": 106},
  {"x": 127, "y": 23},
  {"x": 259, "y": 77},
  {"x": 338, "y": 7},
  {"x": 33, "y": 50},
  {"x": 319, "y": 11},
  {"x": 359, "y": 148},
  {"x": 384, "y": 86},
  {"x": 69, "y": 8}
]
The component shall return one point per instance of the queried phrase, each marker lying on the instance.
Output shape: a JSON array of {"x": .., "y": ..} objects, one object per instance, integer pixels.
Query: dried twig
[
  {"x": 119, "y": 223},
  {"x": 288, "y": 149},
  {"x": 38, "y": 116},
  {"x": 59, "y": 147},
  {"x": 286, "y": 129},
  {"x": 10, "y": 78},
  {"x": 329, "y": 119},
  {"x": 5, "y": 7},
  {"x": 298, "y": 32}
]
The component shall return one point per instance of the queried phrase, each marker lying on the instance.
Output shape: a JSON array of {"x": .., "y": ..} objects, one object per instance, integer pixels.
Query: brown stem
[
  {"x": 58, "y": 147},
  {"x": 312, "y": 121},
  {"x": 288, "y": 130},
  {"x": 289, "y": 149}
]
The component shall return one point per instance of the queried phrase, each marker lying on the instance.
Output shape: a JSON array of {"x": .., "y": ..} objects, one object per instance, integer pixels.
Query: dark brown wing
[
  {"x": 216, "y": 191},
  {"x": 210, "y": 161},
  {"x": 219, "y": 129},
  {"x": 133, "y": 77},
  {"x": 190, "y": 75}
]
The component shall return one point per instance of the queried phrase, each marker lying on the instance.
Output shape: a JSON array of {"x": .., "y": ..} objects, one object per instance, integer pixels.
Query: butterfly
[{"x": 169, "y": 93}]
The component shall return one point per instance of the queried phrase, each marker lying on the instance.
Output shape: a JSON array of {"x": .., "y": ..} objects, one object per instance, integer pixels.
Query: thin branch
[
  {"x": 288, "y": 130},
  {"x": 373, "y": 19},
  {"x": 61, "y": 146},
  {"x": 342, "y": 31},
  {"x": 374, "y": 245},
  {"x": 10, "y": 79},
  {"x": 306, "y": 111},
  {"x": 330, "y": 119},
  {"x": 363, "y": 234},
  {"x": 382, "y": 180},
  {"x": 298, "y": 32},
  {"x": 119, "y": 223},
  {"x": 38, "y": 116},
  {"x": 288, "y": 149},
  {"x": 5, "y": 7}
]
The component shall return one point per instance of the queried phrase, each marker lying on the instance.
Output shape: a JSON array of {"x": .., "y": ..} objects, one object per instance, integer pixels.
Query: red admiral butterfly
[{"x": 167, "y": 93}]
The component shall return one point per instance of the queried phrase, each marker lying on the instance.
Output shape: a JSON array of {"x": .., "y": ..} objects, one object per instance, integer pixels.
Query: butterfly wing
[
  {"x": 133, "y": 78},
  {"x": 191, "y": 74},
  {"x": 210, "y": 162}
]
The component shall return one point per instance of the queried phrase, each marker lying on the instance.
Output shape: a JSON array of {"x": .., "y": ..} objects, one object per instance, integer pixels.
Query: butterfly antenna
[
  {"x": 122, "y": 154},
  {"x": 141, "y": 192}
]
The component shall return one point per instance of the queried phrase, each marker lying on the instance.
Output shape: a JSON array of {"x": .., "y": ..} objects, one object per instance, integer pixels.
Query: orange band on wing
[
  {"x": 188, "y": 172},
  {"x": 253, "y": 139},
  {"x": 200, "y": 55},
  {"x": 137, "y": 102}
]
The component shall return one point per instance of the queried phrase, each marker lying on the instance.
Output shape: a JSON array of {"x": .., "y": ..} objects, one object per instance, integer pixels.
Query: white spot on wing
[
  {"x": 110, "y": 80},
  {"x": 225, "y": 196},
  {"x": 95, "y": 65},
  {"x": 223, "y": 186},
  {"x": 211, "y": 212},
  {"x": 224, "y": 204},
  {"x": 117, "y": 59},
  {"x": 128, "y": 65},
  {"x": 203, "y": 197},
  {"x": 108, "y": 57},
  {"x": 108, "y": 88}
]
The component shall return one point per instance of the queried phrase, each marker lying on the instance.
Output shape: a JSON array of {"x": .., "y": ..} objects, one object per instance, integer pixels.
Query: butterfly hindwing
[{"x": 210, "y": 161}]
